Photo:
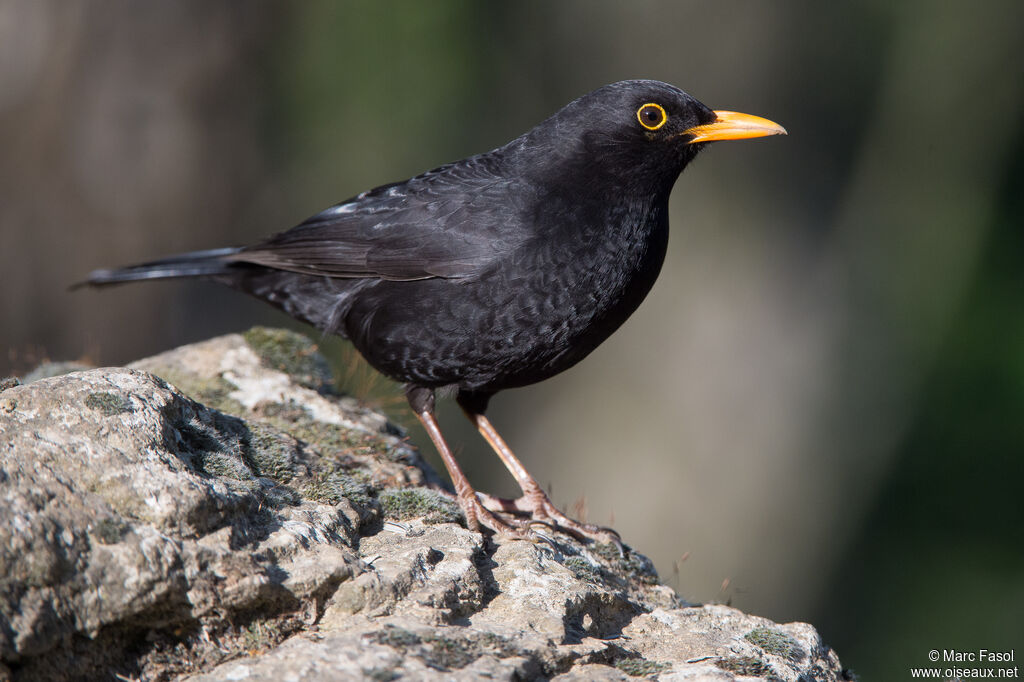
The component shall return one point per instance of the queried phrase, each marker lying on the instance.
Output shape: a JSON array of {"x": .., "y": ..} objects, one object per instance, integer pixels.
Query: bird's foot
[
  {"x": 478, "y": 514},
  {"x": 543, "y": 512}
]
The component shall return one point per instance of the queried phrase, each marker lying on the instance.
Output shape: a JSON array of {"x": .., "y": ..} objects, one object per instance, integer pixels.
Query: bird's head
[{"x": 638, "y": 134}]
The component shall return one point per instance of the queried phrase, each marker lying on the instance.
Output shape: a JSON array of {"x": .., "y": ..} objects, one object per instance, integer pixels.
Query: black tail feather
[
  {"x": 317, "y": 299},
  {"x": 195, "y": 264}
]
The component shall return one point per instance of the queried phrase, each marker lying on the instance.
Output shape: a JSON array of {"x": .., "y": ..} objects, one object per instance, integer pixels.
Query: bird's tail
[{"x": 195, "y": 264}]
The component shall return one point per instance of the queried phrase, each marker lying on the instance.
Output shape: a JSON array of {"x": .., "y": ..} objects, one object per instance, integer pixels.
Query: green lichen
[
  {"x": 397, "y": 638},
  {"x": 110, "y": 530},
  {"x": 627, "y": 564},
  {"x": 750, "y": 666},
  {"x": 607, "y": 551},
  {"x": 271, "y": 453},
  {"x": 291, "y": 353},
  {"x": 108, "y": 404},
  {"x": 409, "y": 503},
  {"x": 330, "y": 488},
  {"x": 444, "y": 653},
  {"x": 775, "y": 643},
  {"x": 279, "y": 496},
  {"x": 336, "y": 442},
  {"x": 583, "y": 569},
  {"x": 212, "y": 442},
  {"x": 638, "y": 667},
  {"x": 225, "y": 465},
  {"x": 331, "y": 441},
  {"x": 449, "y": 654},
  {"x": 213, "y": 392}
]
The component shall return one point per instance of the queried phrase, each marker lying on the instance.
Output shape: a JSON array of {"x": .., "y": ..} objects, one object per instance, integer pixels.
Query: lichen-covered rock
[{"x": 216, "y": 511}]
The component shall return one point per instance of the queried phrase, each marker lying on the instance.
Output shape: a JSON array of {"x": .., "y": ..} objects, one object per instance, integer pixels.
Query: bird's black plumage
[{"x": 496, "y": 271}]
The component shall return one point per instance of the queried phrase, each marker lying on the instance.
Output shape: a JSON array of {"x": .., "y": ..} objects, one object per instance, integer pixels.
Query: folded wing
[{"x": 439, "y": 224}]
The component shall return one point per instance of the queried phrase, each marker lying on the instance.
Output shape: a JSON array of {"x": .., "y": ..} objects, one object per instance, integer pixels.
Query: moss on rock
[
  {"x": 108, "y": 404},
  {"x": 584, "y": 570},
  {"x": 291, "y": 353},
  {"x": 272, "y": 453},
  {"x": 626, "y": 564},
  {"x": 215, "y": 392},
  {"x": 410, "y": 503},
  {"x": 225, "y": 465},
  {"x": 396, "y": 637},
  {"x": 110, "y": 530},
  {"x": 639, "y": 667},
  {"x": 750, "y": 666},
  {"x": 775, "y": 643},
  {"x": 332, "y": 442},
  {"x": 449, "y": 653},
  {"x": 330, "y": 488},
  {"x": 445, "y": 653}
]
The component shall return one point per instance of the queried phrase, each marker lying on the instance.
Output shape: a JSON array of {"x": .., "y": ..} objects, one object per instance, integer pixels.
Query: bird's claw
[
  {"x": 543, "y": 513},
  {"x": 477, "y": 515}
]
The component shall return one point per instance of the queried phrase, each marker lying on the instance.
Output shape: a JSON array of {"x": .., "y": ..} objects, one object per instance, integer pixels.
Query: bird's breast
[{"x": 565, "y": 294}]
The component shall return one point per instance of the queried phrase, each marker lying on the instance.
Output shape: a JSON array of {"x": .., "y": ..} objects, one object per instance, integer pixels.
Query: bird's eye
[{"x": 651, "y": 116}]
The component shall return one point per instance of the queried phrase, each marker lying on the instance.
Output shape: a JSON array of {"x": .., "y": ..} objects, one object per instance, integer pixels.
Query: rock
[{"x": 235, "y": 519}]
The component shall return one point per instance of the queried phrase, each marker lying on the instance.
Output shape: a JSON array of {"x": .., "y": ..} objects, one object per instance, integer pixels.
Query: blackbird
[{"x": 496, "y": 271}]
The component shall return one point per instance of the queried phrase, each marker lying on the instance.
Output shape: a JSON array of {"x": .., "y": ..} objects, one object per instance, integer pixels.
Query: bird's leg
[
  {"x": 534, "y": 500},
  {"x": 422, "y": 402}
]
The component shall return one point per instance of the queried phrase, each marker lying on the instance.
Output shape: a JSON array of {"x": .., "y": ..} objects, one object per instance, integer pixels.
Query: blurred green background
[{"x": 820, "y": 405}]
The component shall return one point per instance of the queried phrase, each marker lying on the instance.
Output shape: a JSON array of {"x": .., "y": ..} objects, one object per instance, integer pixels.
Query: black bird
[{"x": 496, "y": 271}]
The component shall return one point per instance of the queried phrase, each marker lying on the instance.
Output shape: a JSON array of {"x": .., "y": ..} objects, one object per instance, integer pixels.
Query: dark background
[{"x": 821, "y": 404}]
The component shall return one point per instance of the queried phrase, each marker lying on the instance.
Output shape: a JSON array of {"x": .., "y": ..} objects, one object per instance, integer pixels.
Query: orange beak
[{"x": 734, "y": 126}]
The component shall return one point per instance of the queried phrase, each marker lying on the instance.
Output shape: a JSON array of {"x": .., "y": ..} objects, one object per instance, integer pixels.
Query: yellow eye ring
[{"x": 651, "y": 116}]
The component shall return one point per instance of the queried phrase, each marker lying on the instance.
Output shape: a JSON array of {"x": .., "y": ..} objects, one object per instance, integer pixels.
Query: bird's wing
[{"x": 443, "y": 223}]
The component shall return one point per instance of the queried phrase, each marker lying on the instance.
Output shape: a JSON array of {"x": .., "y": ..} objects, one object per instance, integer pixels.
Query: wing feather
[{"x": 439, "y": 224}]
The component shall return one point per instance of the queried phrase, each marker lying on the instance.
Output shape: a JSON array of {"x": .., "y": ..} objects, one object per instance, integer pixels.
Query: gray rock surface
[{"x": 236, "y": 520}]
